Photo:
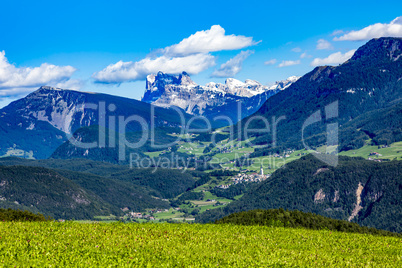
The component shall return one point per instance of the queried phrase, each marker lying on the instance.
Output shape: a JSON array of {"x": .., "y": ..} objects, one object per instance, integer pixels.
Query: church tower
[{"x": 261, "y": 171}]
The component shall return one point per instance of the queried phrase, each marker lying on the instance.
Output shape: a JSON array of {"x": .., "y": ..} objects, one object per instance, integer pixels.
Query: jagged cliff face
[
  {"x": 36, "y": 125},
  {"x": 60, "y": 108},
  {"x": 213, "y": 99}
]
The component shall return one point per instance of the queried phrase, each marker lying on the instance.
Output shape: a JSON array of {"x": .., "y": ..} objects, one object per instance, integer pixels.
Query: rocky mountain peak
[
  {"x": 380, "y": 49},
  {"x": 283, "y": 84},
  {"x": 167, "y": 90},
  {"x": 159, "y": 81},
  {"x": 252, "y": 82},
  {"x": 45, "y": 90},
  {"x": 185, "y": 79}
]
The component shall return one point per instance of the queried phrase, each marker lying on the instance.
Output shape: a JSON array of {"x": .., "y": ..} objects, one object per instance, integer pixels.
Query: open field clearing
[{"x": 393, "y": 151}]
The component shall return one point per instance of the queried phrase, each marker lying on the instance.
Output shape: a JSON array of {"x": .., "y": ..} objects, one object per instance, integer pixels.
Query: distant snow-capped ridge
[
  {"x": 284, "y": 84},
  {"x": 167, "y": 90},
  {"x": 232, "y": 86}
]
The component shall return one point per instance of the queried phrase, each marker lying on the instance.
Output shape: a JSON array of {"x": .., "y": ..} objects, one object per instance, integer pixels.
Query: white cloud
[
  {"x": 337, "y": 32},
  {"x": 392, "y": 29},
  {"x": 207, "y": 41},
  {"x": 323, "y": 44},
  {"x": 286, "y": 63},
  {"x": 18, "y": 80},
  {"x": 13, "y": 92},
  {"x": 232, "y": 66},
  {"x": 73, "y": 84},
  {"x": 296, "y": 49},
  {"x": 191, "y": 55},
  {"x": 131, "y": 71},
  {"x": 270, "y": 62},
  {"x": 305, "y": 55},
  {"x": 335, "y": 58}
]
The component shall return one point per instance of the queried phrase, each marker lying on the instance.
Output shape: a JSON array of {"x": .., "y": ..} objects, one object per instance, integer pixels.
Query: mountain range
[
  {"x": 36, "y": 125},
  {"x": 360, "y": 100},
  {"x": 213, "y": 99},
  {"x": 366, "y": 86}
]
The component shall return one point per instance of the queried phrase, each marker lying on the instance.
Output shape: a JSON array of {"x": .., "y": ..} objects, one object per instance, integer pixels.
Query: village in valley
[
  {"x": 190, "y": 208},
  {"x": 245, "y": 178}
]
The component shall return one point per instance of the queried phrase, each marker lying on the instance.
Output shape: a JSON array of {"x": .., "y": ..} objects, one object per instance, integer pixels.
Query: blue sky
[{"x": 69, "y": 44}]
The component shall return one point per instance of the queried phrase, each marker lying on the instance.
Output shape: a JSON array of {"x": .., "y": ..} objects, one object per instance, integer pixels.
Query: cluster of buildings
[
  {"x": 286, "y": 154},
  {"x": 254, "y": 177},
  {"x": 138, "y": 215},
  {"x": 243, "y": 178},
  {"x": 376, "y": 155},
  {"x": 146, "y": 216}
]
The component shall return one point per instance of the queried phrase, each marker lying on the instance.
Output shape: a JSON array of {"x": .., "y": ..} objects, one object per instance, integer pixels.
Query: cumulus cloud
[
  {"x": 191, "y": 55},
  {"x": 11, "y": 76},
  {"x": 286, "y": 63},
  {"x": 211, "y": 40},
  {"x": 335, "y": 58},
  {"x": 392, "y": 29},
  {"x": 131, "y": 71},
  {"x": 18, "y": 80},
  {"x": 323, "y": 44},
  {"x": 270, "y": 62},
  {"x": 232, "y": 66}
]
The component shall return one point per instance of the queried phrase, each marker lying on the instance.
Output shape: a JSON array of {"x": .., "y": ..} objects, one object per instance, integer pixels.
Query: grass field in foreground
[{"x": 57, "y": 244}]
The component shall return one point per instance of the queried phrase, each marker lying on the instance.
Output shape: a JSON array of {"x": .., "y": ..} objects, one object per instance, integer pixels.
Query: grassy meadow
[{"x": 45, "y": 244}]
